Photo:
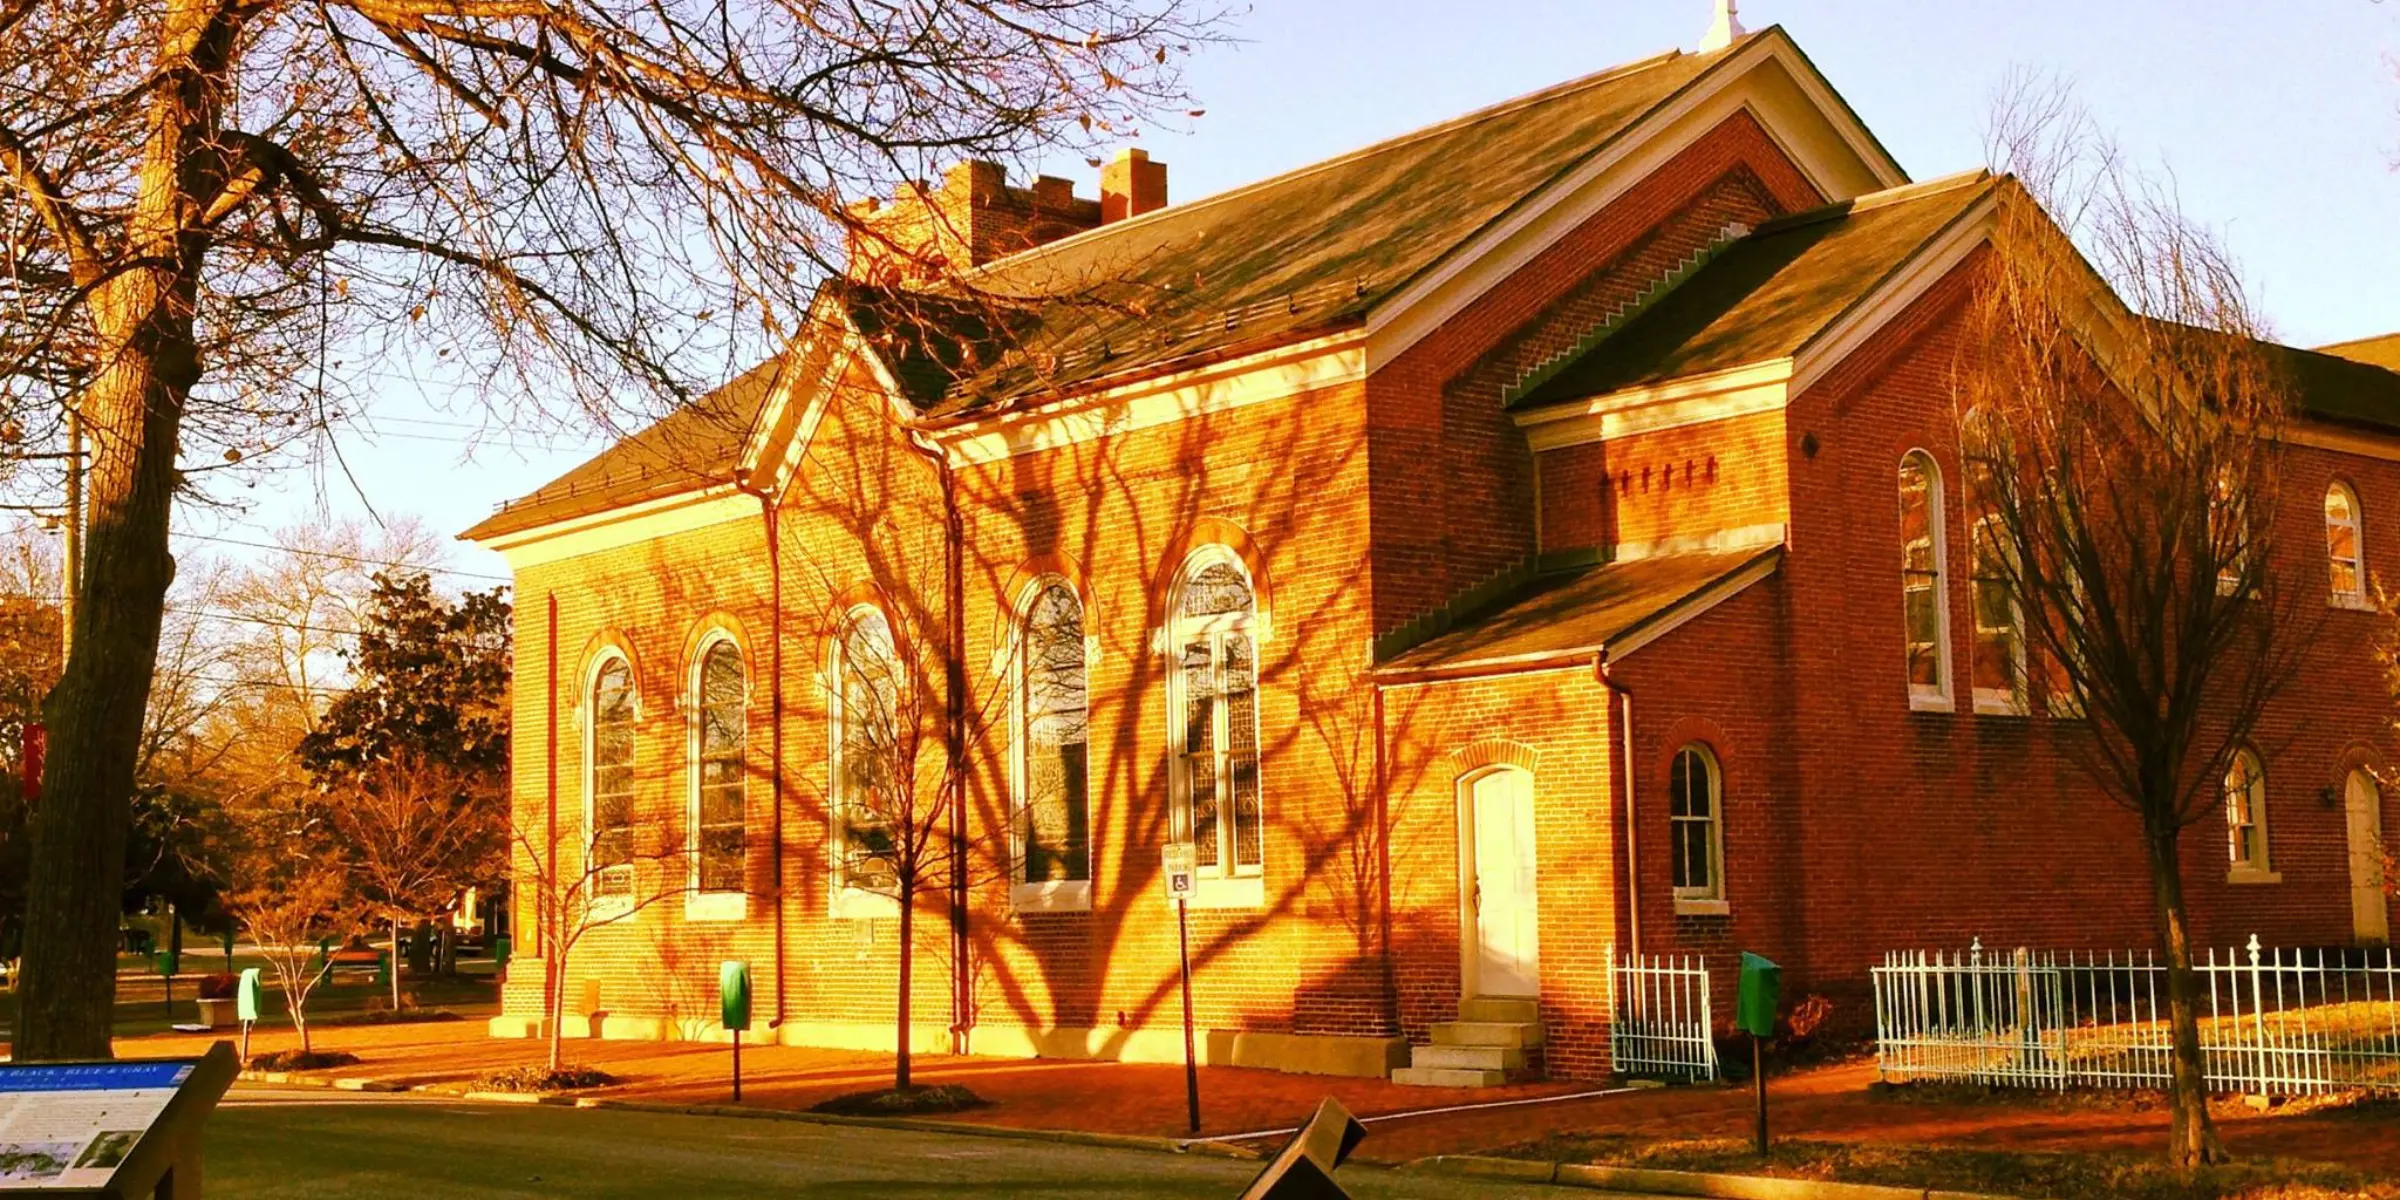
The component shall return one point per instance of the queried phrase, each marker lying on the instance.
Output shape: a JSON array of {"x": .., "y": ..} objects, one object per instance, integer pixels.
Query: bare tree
[
  {"x": 2122, "y": 423},
  {"x": 290, "y": 890},
  {"x": 210, "y": 198},
  {"x": 416, "y": 830},
  {"x": 620, "y": 871}
]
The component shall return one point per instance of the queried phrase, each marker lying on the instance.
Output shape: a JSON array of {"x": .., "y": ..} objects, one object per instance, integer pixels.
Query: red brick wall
[
  {"x": 1666, "y": 486},
  {"x": 1438, "y": 532}
]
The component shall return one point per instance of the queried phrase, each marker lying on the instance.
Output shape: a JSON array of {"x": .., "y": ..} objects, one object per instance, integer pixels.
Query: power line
[{"x": 349, "y": 558}]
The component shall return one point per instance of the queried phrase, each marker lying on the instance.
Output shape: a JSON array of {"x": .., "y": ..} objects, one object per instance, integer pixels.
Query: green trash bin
[
  {"x": 501, "y": 946},
  {"x": 383, "y": 969},
  {"x": 1761, "y": 990},
  {"x": 168, "y": 962}
]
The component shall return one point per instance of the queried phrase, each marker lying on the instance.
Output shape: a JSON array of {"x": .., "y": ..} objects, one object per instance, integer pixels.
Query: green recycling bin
[
  {"x": 168, "y": 962},
  {"x": 245, "y": 996},
  {"x": 1761, "y": 988},
  {"x": 383, "y": 969},
  {"x": 501, "y": 946},
  {"x": 733, "y": 987}
]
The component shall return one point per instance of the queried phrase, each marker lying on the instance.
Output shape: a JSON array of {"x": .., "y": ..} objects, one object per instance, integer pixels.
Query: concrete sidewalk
[{"x": 1146, "y": 1100}]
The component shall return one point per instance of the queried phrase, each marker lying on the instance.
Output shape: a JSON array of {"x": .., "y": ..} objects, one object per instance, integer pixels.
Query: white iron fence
[
  {"x": 1658, "y": 1016},
  {"x": 2271, "y": 1021}
]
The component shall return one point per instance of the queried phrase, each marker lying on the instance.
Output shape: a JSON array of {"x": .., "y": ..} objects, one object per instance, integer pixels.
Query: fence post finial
[
  {"x": 1977, "y": 950},
  {"x": 2254, "y": 949}
]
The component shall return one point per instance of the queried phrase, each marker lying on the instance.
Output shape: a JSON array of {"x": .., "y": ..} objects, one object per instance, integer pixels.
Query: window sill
[
  {"x": 1920, "y": 702},
  {"x": 608, "y": 910},
  {"x": 1997, "y": 704},
  {"x": 2350, "y": 603},
  {"x": 1241, "y": 891},
  {"x": 1058, "y": 895},
  {"x": 717, "y": 906},
  {"x": 1686, "y": 906},
  {"x": 2248, "y": 875},
  {"x": 858, "y": 904}
]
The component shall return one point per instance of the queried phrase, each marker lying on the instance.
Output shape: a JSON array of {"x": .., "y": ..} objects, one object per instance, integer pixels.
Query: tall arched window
[
  {"x": 1926, "y": 614},
  {"x": 608, "y": 780},
  {"x": 719, "y": 736},
  {"x": 1695, "y": 806},
  {"x": 1999, "y": 665},
  {"x": 873, "y": 792},
  {"x": 2246, "y": 814},
  {"x": 1053, "y": 827},
  {"x": 1216, "y": 702},
  {"x": 2344, "y": 560}
]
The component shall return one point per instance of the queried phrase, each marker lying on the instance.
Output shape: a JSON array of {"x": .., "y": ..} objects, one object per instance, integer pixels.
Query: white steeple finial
[{"x": 1724, "y": 29}]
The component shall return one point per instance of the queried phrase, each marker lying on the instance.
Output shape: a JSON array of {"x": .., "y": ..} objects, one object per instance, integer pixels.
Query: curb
[
  {"x": 1676, "y": 1183},
  {"x": 1117, "y": 1141},
  {"x": 341, "y": 1084}
]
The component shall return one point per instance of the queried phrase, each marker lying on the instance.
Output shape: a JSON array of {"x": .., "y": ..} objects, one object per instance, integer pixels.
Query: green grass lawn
[
  {"x": 1962, "y": 1169},
  {"x": 142, "y": 1006}
]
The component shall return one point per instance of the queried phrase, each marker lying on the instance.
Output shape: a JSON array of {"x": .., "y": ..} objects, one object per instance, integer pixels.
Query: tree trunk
[
  {"x": 395, "y": 970},
  {"x": 554, "y": 986},
  {"x": 133, "y": 413},
  {"x": 2192, "y": 1137},
  {"x": 908, "y": 958}
]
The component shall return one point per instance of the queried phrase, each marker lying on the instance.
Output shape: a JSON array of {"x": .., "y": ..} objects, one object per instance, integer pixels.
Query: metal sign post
[
  {"x": 1754, "y": 1013},
  {"x": 733, "y": 990},
  {"x": 1180, "y": 862}
]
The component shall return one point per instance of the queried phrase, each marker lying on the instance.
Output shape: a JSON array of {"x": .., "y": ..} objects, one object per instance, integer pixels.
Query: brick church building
[{"x": 1524, "y": 541}]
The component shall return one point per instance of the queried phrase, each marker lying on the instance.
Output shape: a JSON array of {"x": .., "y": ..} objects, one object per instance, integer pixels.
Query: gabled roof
[
  {"x": 2344, "y": 389},
  {"x": 2382, "y": 350},
  {"x": 1297, "y": 253},
  {"x": 1772, "y": 293},
  {"x": 1569, "y": 616},
  {"x": 693, "y": 447}
]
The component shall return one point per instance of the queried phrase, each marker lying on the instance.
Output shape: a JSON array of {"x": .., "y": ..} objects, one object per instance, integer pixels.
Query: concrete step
[
  {"x": 1487, "y": 1033},
  {"x": 1494, "y": 1008},
  {"x": 1447, "y": 1077},
  {"x": 1468, "y": 1058}
]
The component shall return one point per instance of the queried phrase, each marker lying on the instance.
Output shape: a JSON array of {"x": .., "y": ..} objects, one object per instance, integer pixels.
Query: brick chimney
[
  {"x": 973, "y": 218},
  {"x": 1131, "y": 185}
]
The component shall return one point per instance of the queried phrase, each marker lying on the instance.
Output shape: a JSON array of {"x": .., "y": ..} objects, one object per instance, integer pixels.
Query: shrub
[
  {"x": 219, "y": 986},
  {"x": 902, "y": 1102},
  {"x": 301, "y": 1060},
  {"x": 1807, "y": 1019},
  {"x": 542, "y": 1079}
]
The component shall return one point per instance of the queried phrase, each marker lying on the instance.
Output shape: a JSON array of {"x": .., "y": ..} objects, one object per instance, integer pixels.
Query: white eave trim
[
  {"x": 1692, "y": 400},
  {"x": 1272, "y": 374},
  {"x": 1893, "y": 294},
  {"x": 1472, "y": 268},
  {"x": 713, "y": 504}
]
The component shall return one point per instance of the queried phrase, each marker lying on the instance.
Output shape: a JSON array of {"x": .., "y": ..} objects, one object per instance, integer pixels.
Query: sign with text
[
  {"x": 122, "y": 1129},
  {"x": 68, "y": 1125},
  {"x": 1180, "y": 862}
]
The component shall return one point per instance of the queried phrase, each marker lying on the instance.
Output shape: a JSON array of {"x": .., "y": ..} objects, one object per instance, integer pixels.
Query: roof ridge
[
  {"x": 1514, "y": 103},
  {"x": 2330, "y": 347},
  {"x": 1871, "y": 201}
]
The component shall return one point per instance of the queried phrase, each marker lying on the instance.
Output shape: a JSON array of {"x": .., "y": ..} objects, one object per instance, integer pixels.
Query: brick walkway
[{"x": 1832, "y": 1103}]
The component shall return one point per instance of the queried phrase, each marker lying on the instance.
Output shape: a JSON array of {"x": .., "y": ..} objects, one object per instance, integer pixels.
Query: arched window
[
  {"x": 1053, "y": 827},
  {"x": 608, "y": 780},
  {"x": 873, "y": 788},
  {"x": 1999, "y": 666},
  {"x": 2246, "y": 813},
  {"x": 2344, "y": 559},
  {"x": 719, "y": 736},
  {"x": 1926, "y": 612},
  {"x": 1695, "y": 806},
  {"x": 1215, "y": 698}
]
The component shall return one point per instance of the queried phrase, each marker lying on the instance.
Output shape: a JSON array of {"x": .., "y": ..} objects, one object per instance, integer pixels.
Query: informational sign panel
[
  {"x": 68, "y": 1125},
  {"x": 107, "y": 1128},
  {"x": 1181, "y": 864}
]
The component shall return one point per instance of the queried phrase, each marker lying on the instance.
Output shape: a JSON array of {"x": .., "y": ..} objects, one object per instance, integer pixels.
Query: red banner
[{"x": 37, "y": 741}]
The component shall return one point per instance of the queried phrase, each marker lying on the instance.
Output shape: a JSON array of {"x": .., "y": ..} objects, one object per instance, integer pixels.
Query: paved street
[{"x": 266, "y": 1144}]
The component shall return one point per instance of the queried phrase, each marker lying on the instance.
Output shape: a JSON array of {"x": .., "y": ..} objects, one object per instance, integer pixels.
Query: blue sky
[{"x": 2280, "y": 122}]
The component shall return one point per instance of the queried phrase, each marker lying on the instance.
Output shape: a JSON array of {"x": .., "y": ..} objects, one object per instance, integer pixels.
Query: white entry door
[
  {"x": 2370, "y": 918},
  {"x": 1507, "y": 941}
]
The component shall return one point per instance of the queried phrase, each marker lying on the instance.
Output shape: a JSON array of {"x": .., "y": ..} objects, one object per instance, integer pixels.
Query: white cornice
[
  {"x": 1693, "y": 400},
  {"x": 1271, "y": 374},
  {"x": 1782, "y": 100},
  {"x": 699, "y": 508}
]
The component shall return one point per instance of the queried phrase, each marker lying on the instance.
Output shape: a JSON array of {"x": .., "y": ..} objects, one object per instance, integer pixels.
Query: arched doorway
[
  {"x": 1501, "y": 926},
  {"x": 2370, "y": 913}
]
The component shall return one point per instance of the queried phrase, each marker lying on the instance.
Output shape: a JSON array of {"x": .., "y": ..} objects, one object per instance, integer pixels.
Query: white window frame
[
  {"x": 846, "y": 902},
  {"x": 2356, "y": 525},
  {"x": 2011, "y": 700},
  {"x": 1938, "y": 697},
  {"x": 1710, "y": 900},
  {"x": 1227, "y": 884},
  {"x": 1055, "y": 895},
  {"x": 701, "y": 904},
  {"x": 2261, "y": 868},
  {"x": 603, "y": 905}
]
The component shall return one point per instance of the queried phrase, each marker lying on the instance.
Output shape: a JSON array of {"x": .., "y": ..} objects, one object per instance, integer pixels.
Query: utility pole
[{"x": 70, "y": 558}]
